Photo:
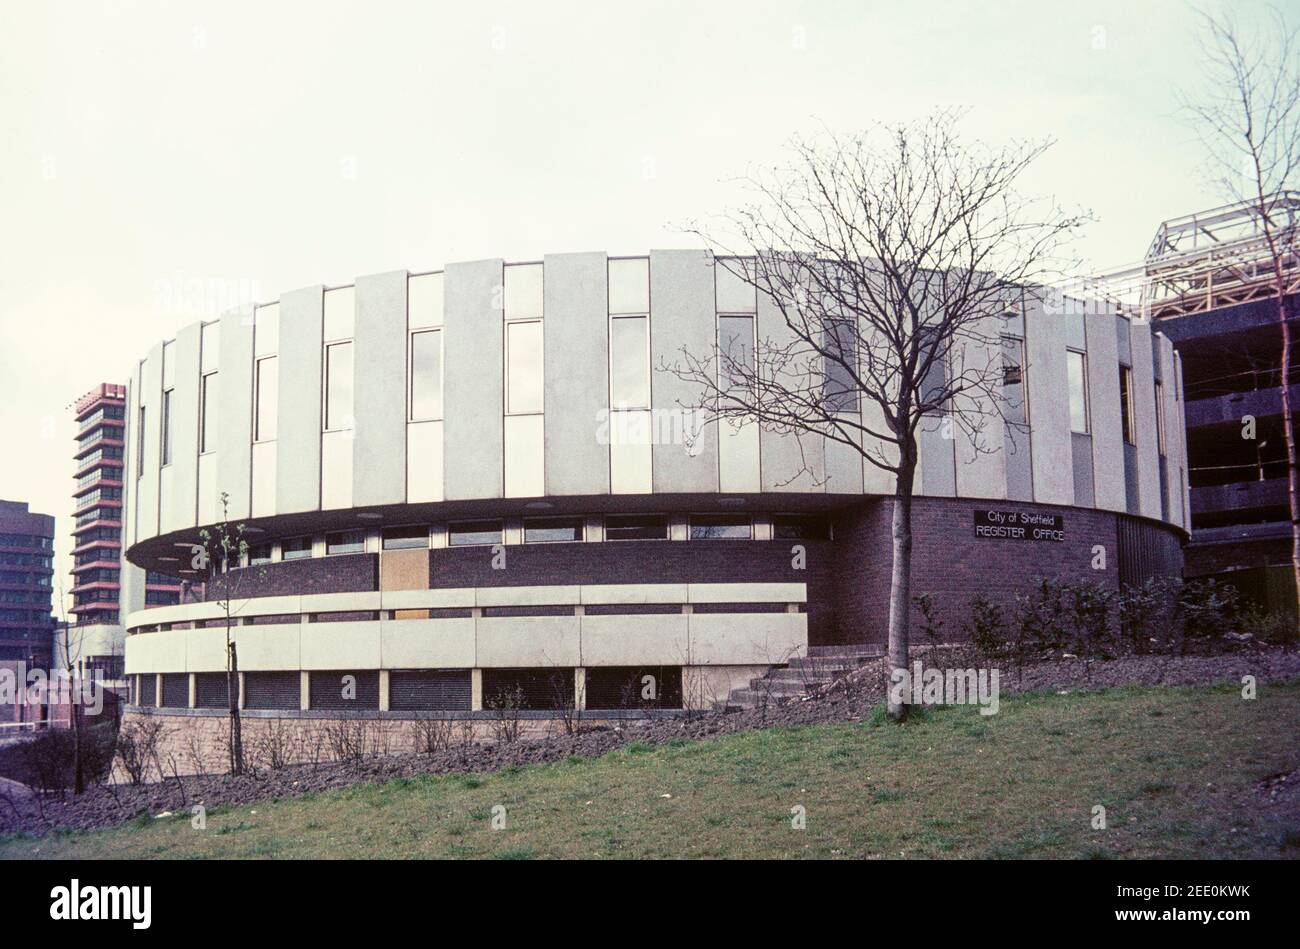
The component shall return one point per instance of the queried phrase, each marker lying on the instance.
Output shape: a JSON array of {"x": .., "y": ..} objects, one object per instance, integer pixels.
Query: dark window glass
[
  {"x": 720, "y": 527},
  {"x": 1126, "y": 404},
  {"x": 402, "y": 538},
  {"x": 636, "y": 527},
  {"x": 295, "y": 548},
  {"x": 259, "y": 553},
  {"x": 468, "y": 533},
  {"x": 800, "y": 527},
  {"x": 540, "y": 530},
  {"x": 345, "y": 542}
]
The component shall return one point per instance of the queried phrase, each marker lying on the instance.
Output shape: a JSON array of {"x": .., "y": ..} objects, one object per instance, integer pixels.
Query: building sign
[{"x": 1019, "y": 525}]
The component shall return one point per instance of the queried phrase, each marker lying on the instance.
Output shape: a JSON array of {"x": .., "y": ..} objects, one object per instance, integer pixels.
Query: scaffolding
[{"x": 1208, "y": 260}]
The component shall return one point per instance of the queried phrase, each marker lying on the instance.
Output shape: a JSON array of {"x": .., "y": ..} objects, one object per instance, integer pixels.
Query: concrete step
[{"x": 868, "y": 650}]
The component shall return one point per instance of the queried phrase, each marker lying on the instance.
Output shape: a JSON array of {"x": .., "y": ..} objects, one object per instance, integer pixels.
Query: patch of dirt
[{"x": 849, "y": 699}]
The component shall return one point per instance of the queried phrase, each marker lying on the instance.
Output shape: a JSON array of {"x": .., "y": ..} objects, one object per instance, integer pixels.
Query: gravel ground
[{"x": 847, "y": 700}]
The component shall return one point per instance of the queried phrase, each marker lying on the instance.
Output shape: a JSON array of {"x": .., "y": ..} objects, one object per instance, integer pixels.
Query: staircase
[{"x": 802, "y": 675}]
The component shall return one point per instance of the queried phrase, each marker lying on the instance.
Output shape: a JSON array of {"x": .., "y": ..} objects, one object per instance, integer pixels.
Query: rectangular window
[
  {"x": 629, "y": 286},
  {"x": 295, "y": 548},
  {"x": 345, "y": 542},
  {"x": 735, "y": 350},
  {"x": 267, "y": 399},
  {"x": 1126, "y": 405},
  {"x": 1014, "y": 390},
  {"x": 841, "y": 361},
  {"x": 338, "y": 387},
  {"x": 542, "y": 530},
  {"x": 1160, "y": 417},
  {"x": 523, "y": 294},
  {"x": 800, "y": 527},
  {"x": 208, "y": 413},
  {"x": 424, "y": 301},
  {"x": 629, "y": 362},
  {"x": 636, "y": 527},
  {"x": 524, "y": 368},
  {"x": 405, "y": 538},
  {"x": 259, "y": 554},
  {"x": 139, "y": 447},
  {"x": 471, "y": 533},
  {"x": 167, "y": 427},
  {"x": 721, "y": 527},
  {"x": 1077, "y": 379},
  {"x": 734, "y": 285},
  {"x": 426, "y": 376}
]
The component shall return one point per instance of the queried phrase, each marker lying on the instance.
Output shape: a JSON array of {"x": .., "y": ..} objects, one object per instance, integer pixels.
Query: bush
[
  {"x": 47, "y": 761},
  {"x": 1278, "y": 629},
  {"x": 986, "y": 627}
]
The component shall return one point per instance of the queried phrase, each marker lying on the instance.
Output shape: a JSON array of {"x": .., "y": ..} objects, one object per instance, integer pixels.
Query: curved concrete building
[{"x": 474, "y": 483}]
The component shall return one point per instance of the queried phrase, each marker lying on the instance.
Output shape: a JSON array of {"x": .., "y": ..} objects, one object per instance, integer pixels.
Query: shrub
[
  {"x": 986, "y": 627},
  {"x": 1275, "y": 628}
]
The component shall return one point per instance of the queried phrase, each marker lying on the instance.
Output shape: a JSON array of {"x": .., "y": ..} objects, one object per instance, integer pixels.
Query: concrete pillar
[
  {"x": 476, "y": 690},
  {"x": 383, "y": 690},
  {"x": 157, "y": 686},
  {"x": 193, "y": 689},
  {"x": 243, "y": 698},
  {"x": 304, "y": 690},
  {"x": 580, "y": 688}
]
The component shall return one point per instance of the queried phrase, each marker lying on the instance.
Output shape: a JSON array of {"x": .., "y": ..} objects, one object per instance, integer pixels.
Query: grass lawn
[{"x": 1174, "y": 768}]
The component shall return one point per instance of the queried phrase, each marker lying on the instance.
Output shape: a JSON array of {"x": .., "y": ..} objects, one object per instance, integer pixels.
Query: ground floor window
[
  {"x": 448, "y": 690},
  {"x": 272, "y": 690},
  {"x": 531, "y": 689},
  {"x": 634, "y": 687},
  {"x": 210, "y": 690},
  {"x": 344, "y": 689}
]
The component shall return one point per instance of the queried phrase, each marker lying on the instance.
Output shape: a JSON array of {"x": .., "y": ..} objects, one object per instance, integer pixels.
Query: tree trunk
[
  {"x": 74, "y": 710},
  {"x": 900, "y": 581},
  {"x": 1288, "y": 432},
  {"x": 232, "y": 696}
]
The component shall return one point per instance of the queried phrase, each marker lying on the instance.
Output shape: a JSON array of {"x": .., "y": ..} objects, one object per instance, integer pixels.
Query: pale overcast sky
[{"x": 147, "y": 146}]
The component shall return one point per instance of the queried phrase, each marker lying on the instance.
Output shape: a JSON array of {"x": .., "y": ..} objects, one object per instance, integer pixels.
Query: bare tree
[
  {"x": 893, "y": 258},
  {"x": 1249, "y": 121},
  {"x": 220, "y": 553},
  {"x": 69, "y": 644}
]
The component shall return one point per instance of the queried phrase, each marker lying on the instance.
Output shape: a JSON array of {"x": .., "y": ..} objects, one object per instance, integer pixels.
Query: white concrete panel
[
  {"x": 235, "y": 414},
  {"x": 738, "y": 463},
  {"x": 130, "y": 462},
  {"x": 980, "y": 453},
  {"x": 844, "y": 466},
  {"x": 264, "y": 479},
  {"x": 788, "y": 462},
  {"x": 1049, "y": 407},
  {"x": 157, "y": 652},
  {"x": 297, "y": 479},
  {"x": 1144, "y": 415},
  {"x": 605, "y": 593},
  {"x": 327, "y": 646},
  {"x": 528, "y": 641},
  {"x": 1103, "y": 396},
  {"x": 473, "y": 392},
  {"x": 180, "y": 497},
  {"x": 630, "y": 452},
  {"x": 424, "y": 462},
  {"x": 525, "y": 456},
  {"x": 576, "y": 376},
  {"x": 268, "y": 648},
  {"x": 682, "y": 315},
  {"x": 209, "y": 500},
  {"x": 336, "y": 469},
  {"x": 747, "y": 593},
  {"x": 1174, "y": 431},
  {"x": 427, "y": 643},
  {"x": 147, "y": 486},
  {"x": 445, "y": 598},
  {"x": 527, "y": 596},
  {"x": 339, "y": 602},
  {"x": 205, "y": 650},
  {"x": 732, "y": 639},
  {"x": 635, "y": 640},
  {"x": 379, "y": 390}
]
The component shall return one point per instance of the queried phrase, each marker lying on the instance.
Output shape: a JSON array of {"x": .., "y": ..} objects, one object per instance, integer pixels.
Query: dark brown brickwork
[
  {"x": 651, "y": 561},
  {"x": 344, "y": 573},
  {"x": 952, "y": 565}
]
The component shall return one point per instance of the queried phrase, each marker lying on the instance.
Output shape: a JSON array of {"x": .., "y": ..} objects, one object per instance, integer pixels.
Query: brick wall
[
  {"x": 343, "y": 573},
  {"x": 952, "y": 565}
]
